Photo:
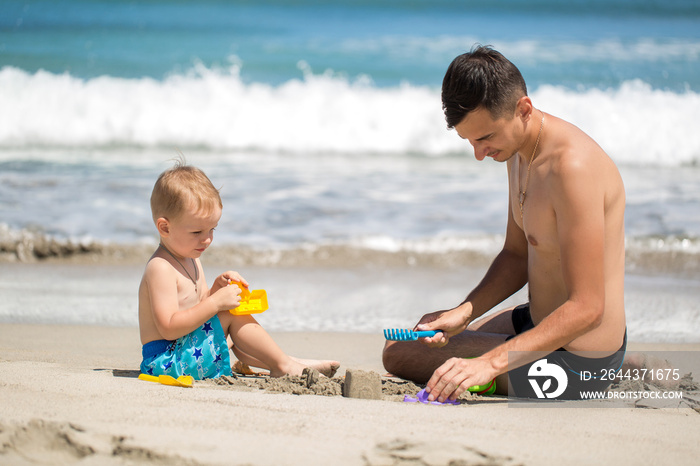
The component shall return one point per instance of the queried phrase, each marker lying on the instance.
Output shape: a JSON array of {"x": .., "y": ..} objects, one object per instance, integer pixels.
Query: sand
[{"x": 69, "y": 395}]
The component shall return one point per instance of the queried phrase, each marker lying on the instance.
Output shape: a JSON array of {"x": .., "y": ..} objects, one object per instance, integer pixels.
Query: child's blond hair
[{"x": 182, "y": 187}]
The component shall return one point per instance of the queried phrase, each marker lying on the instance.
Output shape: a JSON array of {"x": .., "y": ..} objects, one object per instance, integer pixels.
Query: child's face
[{"x": 191, "y": 233}]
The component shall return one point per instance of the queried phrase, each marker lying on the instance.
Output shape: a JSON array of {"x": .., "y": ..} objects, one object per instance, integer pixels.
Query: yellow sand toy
[
  {"x": 182, "y": 381},
  {"x": 252, "y": 302}
]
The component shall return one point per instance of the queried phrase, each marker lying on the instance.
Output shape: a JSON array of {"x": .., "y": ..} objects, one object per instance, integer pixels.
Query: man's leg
[{"x": 414, "y": 361}]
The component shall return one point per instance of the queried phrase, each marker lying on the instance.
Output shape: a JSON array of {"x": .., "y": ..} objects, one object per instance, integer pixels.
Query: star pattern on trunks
[{"x": 202, "y": 353}]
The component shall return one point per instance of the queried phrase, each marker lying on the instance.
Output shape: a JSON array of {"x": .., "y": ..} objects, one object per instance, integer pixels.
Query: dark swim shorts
[{"x": 542, "y": 379}]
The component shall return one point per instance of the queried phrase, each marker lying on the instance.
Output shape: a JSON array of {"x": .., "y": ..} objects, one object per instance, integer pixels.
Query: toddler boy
[{"x": 184, "y": 325}]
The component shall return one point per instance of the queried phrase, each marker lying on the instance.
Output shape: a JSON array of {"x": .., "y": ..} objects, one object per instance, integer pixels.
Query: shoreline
[
  {"x": 360, "y": 299},
  {"x": 70, "y": 393},
  {"x": 663, "y": 256}
]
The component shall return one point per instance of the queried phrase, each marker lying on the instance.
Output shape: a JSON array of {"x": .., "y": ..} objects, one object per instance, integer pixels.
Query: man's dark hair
[{"x": 481, "y": 78}]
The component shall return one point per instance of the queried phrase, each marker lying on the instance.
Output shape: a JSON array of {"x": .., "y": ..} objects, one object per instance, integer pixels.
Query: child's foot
[
  {"x": 327, "y": 368},
  {"x": 296, "y": 366}
]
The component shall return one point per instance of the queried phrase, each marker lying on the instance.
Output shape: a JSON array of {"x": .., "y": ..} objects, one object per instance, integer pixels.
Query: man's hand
[
  {"x": 456, "y": 375},
  {"x": 449, "y": 322}
]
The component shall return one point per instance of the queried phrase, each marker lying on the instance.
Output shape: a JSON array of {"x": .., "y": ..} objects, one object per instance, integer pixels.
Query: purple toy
[{"x": 423, "y": 398}]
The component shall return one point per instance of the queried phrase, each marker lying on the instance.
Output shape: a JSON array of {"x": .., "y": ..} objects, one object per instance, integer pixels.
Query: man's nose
[{"x": 479, "y": 150}]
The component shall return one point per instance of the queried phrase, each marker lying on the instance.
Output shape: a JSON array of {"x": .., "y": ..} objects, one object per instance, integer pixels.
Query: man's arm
[
  {"x": 506, "y": 275},
  {"x": 577, "y": 197}
]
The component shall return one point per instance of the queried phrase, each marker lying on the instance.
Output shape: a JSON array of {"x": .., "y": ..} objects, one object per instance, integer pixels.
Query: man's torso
[{"x": 547, "y": 285}]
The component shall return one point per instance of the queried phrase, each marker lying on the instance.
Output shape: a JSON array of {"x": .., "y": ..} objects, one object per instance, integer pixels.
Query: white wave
[
  {"x": 667, "y": 244},
  {"x": 634, "y": 124},
  {"x": 487, "y": 244},
  {"x": 215, "y": 108}
]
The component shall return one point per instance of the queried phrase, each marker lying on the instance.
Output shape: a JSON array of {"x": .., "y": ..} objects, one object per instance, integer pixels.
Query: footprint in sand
[
  {"x": 400, "y": 452},
  {"x": 46, "y": 442}
]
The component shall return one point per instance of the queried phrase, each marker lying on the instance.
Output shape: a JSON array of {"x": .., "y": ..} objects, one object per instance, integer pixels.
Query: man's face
[{"x": 497, "y": 139}]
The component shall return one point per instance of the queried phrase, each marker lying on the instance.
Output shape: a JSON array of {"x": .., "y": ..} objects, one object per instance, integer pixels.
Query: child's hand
[
  {"x": 231, "y": 276},
  {"x": 225, "y": 279},
  {"x": 227, "y": 297},
  {"x": 227, "y": 289}
]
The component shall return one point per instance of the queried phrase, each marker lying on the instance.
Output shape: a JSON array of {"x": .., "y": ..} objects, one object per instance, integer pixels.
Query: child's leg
[
  {"x": 258, "y": 347},
  {"x": 251, "y": 361},
  {"x": 247, "y": 358}
]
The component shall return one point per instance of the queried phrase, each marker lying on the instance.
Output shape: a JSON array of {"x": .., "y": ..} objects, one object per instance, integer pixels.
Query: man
[{"x": 564, "y": 238}]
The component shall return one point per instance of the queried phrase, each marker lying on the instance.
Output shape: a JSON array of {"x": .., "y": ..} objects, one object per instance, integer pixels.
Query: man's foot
[{"x": 650, "y": 363}]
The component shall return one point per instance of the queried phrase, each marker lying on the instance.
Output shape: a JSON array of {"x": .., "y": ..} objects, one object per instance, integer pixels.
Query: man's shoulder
[
  {"x": 577, "y": 165},
  {"x": 570, "y": 137},
  {"x": 573, "y": 152}
]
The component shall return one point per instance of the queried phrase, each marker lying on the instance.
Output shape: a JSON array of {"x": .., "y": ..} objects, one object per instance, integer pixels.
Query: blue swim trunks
[{"x": 203, "y": 354}]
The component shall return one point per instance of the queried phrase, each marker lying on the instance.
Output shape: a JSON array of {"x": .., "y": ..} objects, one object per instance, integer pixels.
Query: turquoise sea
[{"x": 321, "y": 121}]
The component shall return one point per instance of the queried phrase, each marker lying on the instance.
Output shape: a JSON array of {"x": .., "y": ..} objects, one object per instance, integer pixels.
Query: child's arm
[
  {"x": 224, "y": 279},
  {"x": 178, "y": 312}
]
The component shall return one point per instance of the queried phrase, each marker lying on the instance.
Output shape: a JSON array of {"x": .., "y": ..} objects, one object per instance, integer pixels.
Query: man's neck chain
[{"x": 521, "y": 199}]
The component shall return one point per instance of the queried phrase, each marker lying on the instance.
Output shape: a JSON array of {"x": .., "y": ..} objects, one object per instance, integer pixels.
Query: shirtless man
[{"x": 564, "y": 238}]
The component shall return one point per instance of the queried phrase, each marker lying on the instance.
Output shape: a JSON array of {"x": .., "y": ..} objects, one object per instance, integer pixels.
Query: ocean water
[{"x": 321, "y": 122}]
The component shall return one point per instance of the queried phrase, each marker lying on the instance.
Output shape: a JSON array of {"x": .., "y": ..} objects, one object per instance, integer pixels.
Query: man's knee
[
  {"x": 406, "y": 364},
  {"x": 388, "y": 355},
  {"x": 401, "y": 360},
  {"x": 394, "y": 357}
]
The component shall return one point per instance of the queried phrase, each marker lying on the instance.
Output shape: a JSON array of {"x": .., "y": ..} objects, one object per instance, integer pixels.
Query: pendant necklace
[
  {"x": 194, "y": 264},
  {"x": 521, "y": 199}
]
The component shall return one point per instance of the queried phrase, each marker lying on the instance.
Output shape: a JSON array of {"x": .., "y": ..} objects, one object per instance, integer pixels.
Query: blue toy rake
[{"x": 398, "y": 334}]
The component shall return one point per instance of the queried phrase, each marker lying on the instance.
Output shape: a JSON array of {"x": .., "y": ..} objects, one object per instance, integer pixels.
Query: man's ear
[
  {"x": 524, "y": 108},
  {"x": 163, "y": 226}
]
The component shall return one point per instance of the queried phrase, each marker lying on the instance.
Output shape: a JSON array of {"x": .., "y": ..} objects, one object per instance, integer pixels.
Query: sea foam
[{"x": 217, "y": 109}]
